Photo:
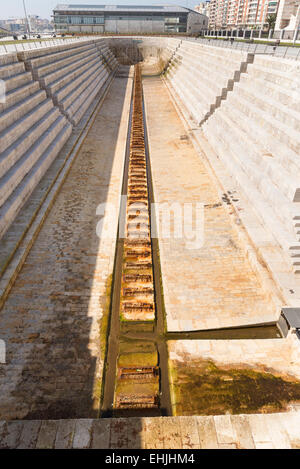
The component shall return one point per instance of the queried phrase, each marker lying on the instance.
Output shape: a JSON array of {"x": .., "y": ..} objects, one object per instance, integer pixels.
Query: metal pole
[{"x": 26, "y": 17}]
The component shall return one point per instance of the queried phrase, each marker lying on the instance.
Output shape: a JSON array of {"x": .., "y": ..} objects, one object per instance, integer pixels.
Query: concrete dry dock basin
[{"x": 168, "y": 317}]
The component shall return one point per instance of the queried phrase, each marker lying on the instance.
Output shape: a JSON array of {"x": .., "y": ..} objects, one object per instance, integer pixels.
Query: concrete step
[
  {"x": 54, "y": 78},
  {"x": 68, "y": 101},
  {"x": 219, "y": 62},
  {"x": 20, "y": 126},
  {"x": 216, "y": 82},
  {"x": 13, "y": 153},
  {"x": 9, "y": 70},
  {"x": 285, "y": 96},
  {"x": 16, "y": 81},
  {"x": 76, "y": 80},
  {"x": 86, "y": 101},
  {"x": 269, "y": 167},
  {"x": 214, "y": 86},
  {"x": 7, "y": 59},
  {"x": 286, "y": 80},
  {"x": 17, "y": 199},
  {"x": 237, "y": 147},
  {"x": 58, "y": 67},
  {"x": 269, "y": 146},
  {"x": 14, "y": 176},
  {"x": 15, "y": 96},
  {"x": 186, "y": 100},
  {"x": 21, "y": 108},
  {"x": 249, "y": 91},
  {"x": 277, "y": 63},
  {"x": 82, "y": 102},
  {"x": 283, "y": 232},
  {"x": 57, "y": 56},
  {"x": 190, "y": 96},
  {"x": 37, "y": 53},
  {"x": 282, "y": 132},
  {"x": 196, "y": 46}
]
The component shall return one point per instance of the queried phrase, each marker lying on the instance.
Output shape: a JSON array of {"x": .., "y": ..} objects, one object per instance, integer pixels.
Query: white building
[{"x": 128, "y": 19}]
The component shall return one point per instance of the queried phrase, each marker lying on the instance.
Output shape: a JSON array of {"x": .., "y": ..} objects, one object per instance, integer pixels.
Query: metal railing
[{"x": 288, "y": 52}]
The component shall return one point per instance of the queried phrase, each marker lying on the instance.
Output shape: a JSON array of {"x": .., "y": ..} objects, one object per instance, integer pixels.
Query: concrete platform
[
  {"x": 216, "y": 285},
  {"x": 264, "y": 431}
]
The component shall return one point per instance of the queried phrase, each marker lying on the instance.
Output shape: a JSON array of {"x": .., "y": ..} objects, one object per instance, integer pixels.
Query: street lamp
[{"x": 27, "y": 22}]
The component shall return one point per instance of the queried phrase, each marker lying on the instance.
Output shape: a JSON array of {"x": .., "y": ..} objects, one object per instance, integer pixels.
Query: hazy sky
[{"x": 43, "y": 8}]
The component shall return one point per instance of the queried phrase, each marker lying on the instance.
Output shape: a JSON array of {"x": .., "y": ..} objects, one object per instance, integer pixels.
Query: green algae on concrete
[
  {"x": 137, "y": 353},
  {"x": 103, "y": 326},
  {"x": 203, "y": 388}
]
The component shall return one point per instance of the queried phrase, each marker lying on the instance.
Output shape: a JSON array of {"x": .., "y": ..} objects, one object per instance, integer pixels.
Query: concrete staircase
[
  {"x": 72, "y": 77},
  {"x": 203, "y": 75},
  {"x": 169, "y": 50},
  {"x": 256, "y": 133},
  {"x": 32, "y": 132}
]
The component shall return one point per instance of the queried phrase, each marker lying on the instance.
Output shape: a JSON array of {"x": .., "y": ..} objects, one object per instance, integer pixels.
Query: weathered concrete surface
[
  {"x": 256, "y": 431},
  {"x": 276, "y": 355},
  {"x": 258, "y": 219},
  {"x": 215, "y": 285},
  {"x": 51, "y": 320}
]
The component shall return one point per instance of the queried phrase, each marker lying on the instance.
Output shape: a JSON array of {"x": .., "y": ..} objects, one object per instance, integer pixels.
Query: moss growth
[
  {"x": 134, "y": 388},
  {"x": 103, "y": 326},
  {"x": 104, "y": 321},
  {"x": 137, "y": 353},
  {"x": 203, "y": 388},
  {"x": 136, "y": 326}
]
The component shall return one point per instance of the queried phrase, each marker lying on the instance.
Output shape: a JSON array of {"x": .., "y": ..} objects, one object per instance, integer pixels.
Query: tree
[{"x": 271, "y": 20}]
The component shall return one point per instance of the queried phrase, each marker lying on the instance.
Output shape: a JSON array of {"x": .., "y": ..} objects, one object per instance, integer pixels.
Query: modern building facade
[
  {"x": 128, "y": 19},
  {"x": 241, "y": 13}
]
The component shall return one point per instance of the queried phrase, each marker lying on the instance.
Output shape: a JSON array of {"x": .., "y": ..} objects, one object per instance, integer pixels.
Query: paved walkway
[
  {"x": 51, "y": 319},
  {"x": 264, "y": 431},
  {"x": 215, "y": 285}
]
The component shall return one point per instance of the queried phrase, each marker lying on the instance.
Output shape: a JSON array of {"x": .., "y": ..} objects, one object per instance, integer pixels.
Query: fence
[{"x": 255, "y": 34}]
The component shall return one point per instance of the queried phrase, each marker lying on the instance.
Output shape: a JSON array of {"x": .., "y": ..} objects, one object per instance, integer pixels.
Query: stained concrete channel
[
  {"x": 115, "y": 334},
  {"x": 47, "y": 309},
  {"x": 159, "y": 336}
]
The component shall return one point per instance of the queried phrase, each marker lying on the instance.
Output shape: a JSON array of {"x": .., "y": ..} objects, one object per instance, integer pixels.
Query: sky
[{"x": 43, "y": 8}]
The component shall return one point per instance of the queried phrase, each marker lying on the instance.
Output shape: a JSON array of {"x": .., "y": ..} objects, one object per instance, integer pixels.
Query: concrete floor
[{"x": 214, "y": 286}]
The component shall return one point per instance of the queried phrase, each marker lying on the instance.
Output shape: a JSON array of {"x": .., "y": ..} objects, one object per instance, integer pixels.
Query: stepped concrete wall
[
  {"x": 155, "y": 53},
  {"x": 243, "y": 112},
  {"x": 256, "y": 133},
  {"x": 47, "y": 92},
  {"x": 72, "y": 77}
]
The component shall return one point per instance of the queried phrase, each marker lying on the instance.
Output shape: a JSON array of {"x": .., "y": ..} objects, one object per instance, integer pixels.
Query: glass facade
[
  {"x": 78, "y": 19},
  {"x": 171, "y": 22}
]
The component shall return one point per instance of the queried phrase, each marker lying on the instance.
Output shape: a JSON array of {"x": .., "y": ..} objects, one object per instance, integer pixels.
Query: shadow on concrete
[{"x": 51, "y": 337}]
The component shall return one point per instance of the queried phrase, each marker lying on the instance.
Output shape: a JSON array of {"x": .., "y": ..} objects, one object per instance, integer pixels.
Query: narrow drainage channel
[
  {"x": 136, "y": 379},
  {"x": 136, "y": 376}
]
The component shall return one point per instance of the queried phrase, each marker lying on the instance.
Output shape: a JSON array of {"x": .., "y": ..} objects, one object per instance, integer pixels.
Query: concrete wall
[
  {"x": 48, "y": 90},
  {"x": 247, "y": 115}
]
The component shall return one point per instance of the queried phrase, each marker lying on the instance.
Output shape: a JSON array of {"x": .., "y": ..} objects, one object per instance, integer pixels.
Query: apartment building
[{"x": 241, "y": 13}]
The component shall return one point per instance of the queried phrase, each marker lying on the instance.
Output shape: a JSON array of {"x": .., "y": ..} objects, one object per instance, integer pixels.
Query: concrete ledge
[{"x": 253, "y": 431}]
